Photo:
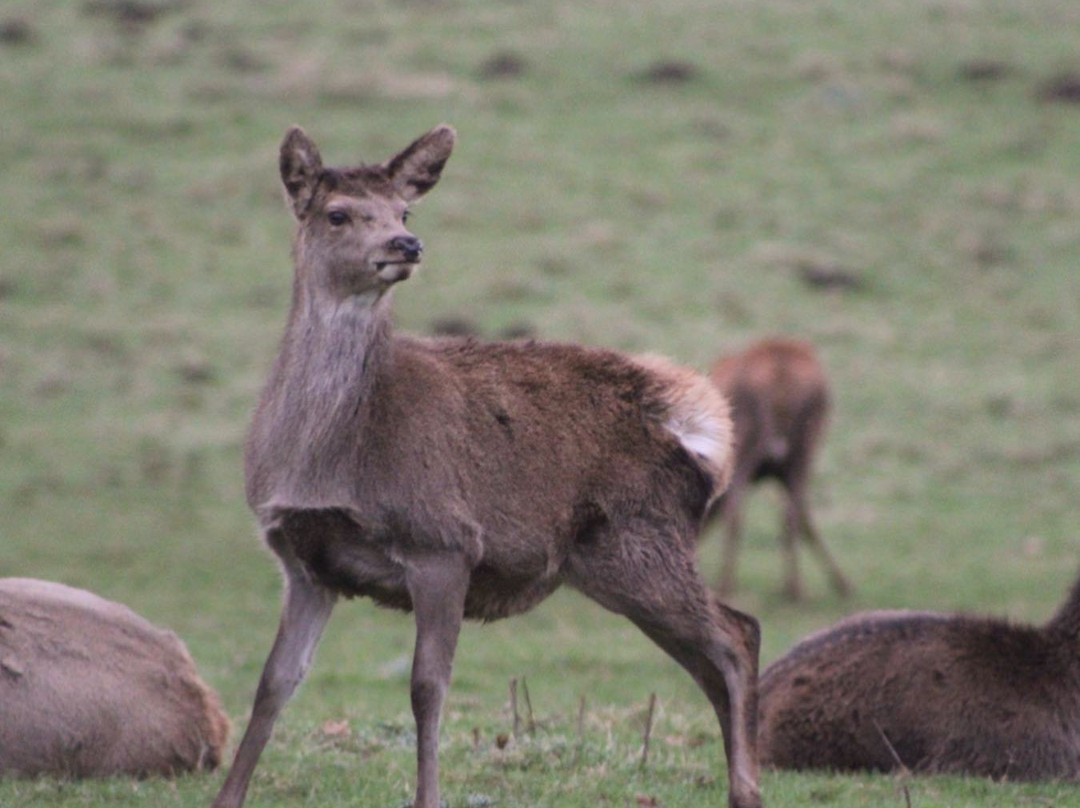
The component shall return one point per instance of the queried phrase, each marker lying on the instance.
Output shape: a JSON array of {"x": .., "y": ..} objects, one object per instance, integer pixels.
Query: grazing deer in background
[
  {"x": 936, "y": 693},
  {"x": 779, "y": 399},
  {"x": 459, "y": 479},
  {"x": 90, "y": 689}
]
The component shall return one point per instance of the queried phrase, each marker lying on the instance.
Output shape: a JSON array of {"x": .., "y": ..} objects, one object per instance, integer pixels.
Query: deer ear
[
  {"x": 301, "y": 166},
  {"x": 415, "y": 170}
]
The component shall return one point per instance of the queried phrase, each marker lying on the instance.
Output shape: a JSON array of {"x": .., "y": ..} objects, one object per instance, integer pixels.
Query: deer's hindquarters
[{"x": 698, "y": 416}]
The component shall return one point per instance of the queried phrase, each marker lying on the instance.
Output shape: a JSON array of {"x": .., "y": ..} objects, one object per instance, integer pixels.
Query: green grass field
[{"x": 675, "y": 177}]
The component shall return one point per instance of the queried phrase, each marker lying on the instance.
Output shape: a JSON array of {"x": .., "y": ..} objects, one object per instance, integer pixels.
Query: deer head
[{"x": 351, "y": 237}]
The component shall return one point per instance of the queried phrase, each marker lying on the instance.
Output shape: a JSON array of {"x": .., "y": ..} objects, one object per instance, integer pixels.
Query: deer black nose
[{"x": 409, "y": 246}]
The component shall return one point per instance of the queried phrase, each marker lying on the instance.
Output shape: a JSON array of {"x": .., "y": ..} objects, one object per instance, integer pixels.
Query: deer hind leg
[
  {"x": 796, "y": 485},
  {"x": 797, "y": 522},
  {"x": 729, "y": 680},
  {"x": 789, "y": 528},
  {"x": 305, "y": 612},
  {"x": 801, "y": 518},
  {"x": 437, "y": 585},
  {"x": 655, "y": 584}
]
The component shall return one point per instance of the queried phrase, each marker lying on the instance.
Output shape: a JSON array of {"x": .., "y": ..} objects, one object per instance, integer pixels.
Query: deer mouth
[{"x": 395, "y": 271}]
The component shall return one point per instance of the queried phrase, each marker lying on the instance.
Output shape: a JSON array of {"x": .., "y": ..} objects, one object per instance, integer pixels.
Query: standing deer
[
  {"x": 936, "y": 693},
  {"x": 462, "y": 480},
  {"x": 90, "y": 689},
  {"x": 780, "y": 404}
]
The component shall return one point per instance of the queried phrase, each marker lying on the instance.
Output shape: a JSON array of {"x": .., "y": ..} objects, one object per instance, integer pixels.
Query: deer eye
[
  {"x": 337, "y": 217},
  {"x": 405, "y": 216}
]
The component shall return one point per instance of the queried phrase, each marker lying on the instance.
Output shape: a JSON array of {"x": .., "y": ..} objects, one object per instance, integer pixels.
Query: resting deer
[
  {"x": 779, "y": 398},
  {"x": 936, "y": 693},
  {"x": 459, "y": 479},
  {"x": 90, "y": 689}
]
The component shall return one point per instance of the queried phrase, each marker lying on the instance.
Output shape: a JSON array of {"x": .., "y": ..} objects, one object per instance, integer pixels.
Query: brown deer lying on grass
[
  {"x": 779, "y": 398},
  {"x": 935, "y": 693},
  {"x": 468, "y": 480},
  {"x": 88, "y": 688}
]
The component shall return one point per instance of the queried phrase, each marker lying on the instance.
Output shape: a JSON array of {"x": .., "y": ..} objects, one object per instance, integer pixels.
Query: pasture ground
[{"x": 898, "y": 182}]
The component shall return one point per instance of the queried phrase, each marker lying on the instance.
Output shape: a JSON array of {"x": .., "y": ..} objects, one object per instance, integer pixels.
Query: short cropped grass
[{"x": 895, "y": 181}]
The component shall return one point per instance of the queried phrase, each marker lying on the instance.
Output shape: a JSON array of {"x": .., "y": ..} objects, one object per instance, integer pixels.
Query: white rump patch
[
  {"x": 701, "y": 434},
  {"x": 698, "y": 416}
]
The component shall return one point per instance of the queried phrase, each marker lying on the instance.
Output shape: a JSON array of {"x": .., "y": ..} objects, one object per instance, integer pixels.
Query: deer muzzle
[{"x": 410, "y": 247}]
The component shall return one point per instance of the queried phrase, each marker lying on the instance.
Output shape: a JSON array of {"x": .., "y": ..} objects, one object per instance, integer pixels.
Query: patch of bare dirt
[
  {"x": 984, "y": 71},
  {"x": 133, "y": 13},
  {"x": 454, "y": 327},
  {"x": 16, "y": 31},
  {"x": 503, "y": 65},
  {"x": 668, "y": 72},
  {"x": 827, "y": 275},
  {"x": 1063, "y": 88}
]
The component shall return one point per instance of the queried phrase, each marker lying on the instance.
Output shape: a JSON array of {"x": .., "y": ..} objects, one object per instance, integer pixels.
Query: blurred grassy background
[{"x": 897, "y": 182}]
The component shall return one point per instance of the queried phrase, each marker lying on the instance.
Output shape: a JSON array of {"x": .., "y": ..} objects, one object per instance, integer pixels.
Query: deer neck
[
  {"x": 303, "y": 446},
  {"x": 332, "y": 353}
]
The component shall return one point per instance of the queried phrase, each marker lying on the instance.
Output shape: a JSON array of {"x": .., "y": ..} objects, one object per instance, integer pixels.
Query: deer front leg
[
  {"x": 437, "y": 584},
  {"x": 303, "y": 618}
]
